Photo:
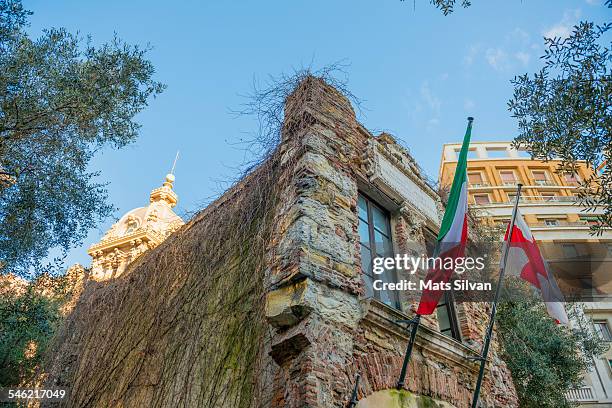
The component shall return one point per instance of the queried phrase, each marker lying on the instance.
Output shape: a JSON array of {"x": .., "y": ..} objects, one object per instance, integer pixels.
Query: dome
[{"x": 136, "y": 231}]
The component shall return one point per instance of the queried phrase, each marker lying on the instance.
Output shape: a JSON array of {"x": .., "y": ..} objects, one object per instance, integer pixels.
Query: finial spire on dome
[
  {"x": 170, "y": 176},
  {"x": 175, "y": 159},
  {"x": 165, "y": 193}
]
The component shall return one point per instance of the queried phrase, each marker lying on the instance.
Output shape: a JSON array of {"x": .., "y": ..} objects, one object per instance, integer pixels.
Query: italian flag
[
  {"x": 525, "y": 260},
  {"x": 452, "y": 237}
]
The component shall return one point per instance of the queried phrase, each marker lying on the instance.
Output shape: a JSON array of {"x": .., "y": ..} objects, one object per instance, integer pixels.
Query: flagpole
[
  {"x": 415, "y": 326},
  {"x": 489, "y": 334},
  {"x": 416, "y": 321},
  {"x": 353, "y": 402}
]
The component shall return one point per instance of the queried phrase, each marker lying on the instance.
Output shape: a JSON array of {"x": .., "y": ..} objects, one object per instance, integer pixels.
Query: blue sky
[{"x": 419, "y": 73}]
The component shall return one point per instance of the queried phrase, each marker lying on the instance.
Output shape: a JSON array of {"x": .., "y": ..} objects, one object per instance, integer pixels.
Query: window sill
[{"x": 385, "y": 318}]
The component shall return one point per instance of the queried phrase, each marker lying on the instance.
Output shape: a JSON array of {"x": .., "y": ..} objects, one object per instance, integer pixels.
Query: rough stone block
[
  {"x": 289, "y": 348},
  {"x": 288, "y": 305}
]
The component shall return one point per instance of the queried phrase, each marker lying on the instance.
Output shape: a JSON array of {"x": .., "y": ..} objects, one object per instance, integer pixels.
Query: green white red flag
[{"x": 452, "y": 237}]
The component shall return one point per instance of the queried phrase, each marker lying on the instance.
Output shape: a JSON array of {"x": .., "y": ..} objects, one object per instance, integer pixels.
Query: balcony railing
[
  {"x": 513, "y": 184},
  {"x": 544, "y": 183},
  {"x": 582, "y": 394},
  {"x": 544, "y": 199},
  {"x": 560, "y": 223}
]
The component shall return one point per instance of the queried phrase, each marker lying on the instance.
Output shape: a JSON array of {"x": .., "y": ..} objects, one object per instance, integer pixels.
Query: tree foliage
[
  {"x": 565, "y": 111},
  {"x": 448, "y": 6},
  {"x": 545, "y": 359},
  {"x": 61, "y": 100},
  {"x": 30, "y": 312}
]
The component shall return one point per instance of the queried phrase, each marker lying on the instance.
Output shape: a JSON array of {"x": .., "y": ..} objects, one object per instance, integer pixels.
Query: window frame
[
  {"x": 514, "y": 176},
  {"x": 576, "y": 178},
  {"x": 603, "y": 323},
  {"x": 537, "y": 182},
  {"x": 393, "y": 295},
  {"x": 448, "y": 299},
  {"x": 483, "y": 182},
  {"x": 482, "y": 195}
]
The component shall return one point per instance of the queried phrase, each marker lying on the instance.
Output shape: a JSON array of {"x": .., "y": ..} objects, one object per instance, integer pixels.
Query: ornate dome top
[
  {"x": 158, "y": 217},
  {"x": 165, "y": 192},
  {"x": 138, "y": 230}
]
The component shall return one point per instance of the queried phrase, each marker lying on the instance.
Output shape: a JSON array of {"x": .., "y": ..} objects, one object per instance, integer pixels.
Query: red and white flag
[{"x": 524, "y": 260}]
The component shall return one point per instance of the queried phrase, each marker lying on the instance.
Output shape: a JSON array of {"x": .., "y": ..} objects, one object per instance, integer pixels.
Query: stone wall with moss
[
  {"x": 400, "y": 399},
  {"x": 184, "y": 326}
]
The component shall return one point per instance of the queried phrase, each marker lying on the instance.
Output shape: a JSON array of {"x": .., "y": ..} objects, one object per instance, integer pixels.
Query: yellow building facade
[
  {"x": 548, "y": 199},
  {"x": 550, "y": 206}
]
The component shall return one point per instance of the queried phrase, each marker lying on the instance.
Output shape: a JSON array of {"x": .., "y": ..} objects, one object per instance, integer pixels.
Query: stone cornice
[
  {"x": 142, "y": 234},
  {"x": 410, "y": 173},
  {"x": 375, "y": 177},
  {"x": 429, "y": 340}
]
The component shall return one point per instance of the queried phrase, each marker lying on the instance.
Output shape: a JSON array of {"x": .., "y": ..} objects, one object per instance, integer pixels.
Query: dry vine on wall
[{"x": 185, "y": 325}]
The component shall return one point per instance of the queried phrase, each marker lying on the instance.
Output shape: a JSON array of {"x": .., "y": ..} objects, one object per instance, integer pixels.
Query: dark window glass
[
  {"x": 381, "y": 221},
  {"x": 375, "y": 241},
  {"x": 366, "y": 260},
  {"x": 364, "y": 233},
  {"x": 363, "y": 208},
  {"x": 447, "y": 317}
]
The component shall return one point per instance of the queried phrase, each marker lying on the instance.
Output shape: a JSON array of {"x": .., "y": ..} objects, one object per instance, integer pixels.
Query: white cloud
[
  {"x": 564, "y": 27},
  {"x": 497, "y": 58},
  {"x": 594, "y": 2},
  {"x": 431, "y": 100},
  {"x": 473, "y": 51},
  {"x": 424, "y": 107},
  {"x": 558, "y": 30},
  {"x": 519, "y": 35},
  {"x": 515, "y": 49},
  {"x": 523, "y": 57}
]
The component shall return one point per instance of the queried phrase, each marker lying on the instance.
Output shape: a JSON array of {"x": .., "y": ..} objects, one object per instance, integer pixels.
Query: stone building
[
  {"x": 265, "y": 298},
  {"x": 138, "y": 230}
]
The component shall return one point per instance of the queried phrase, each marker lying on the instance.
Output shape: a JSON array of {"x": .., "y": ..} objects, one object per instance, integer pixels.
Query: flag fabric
[
  {"x": 452, "y": 237},
  {"x": 525, "y": 260}
]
